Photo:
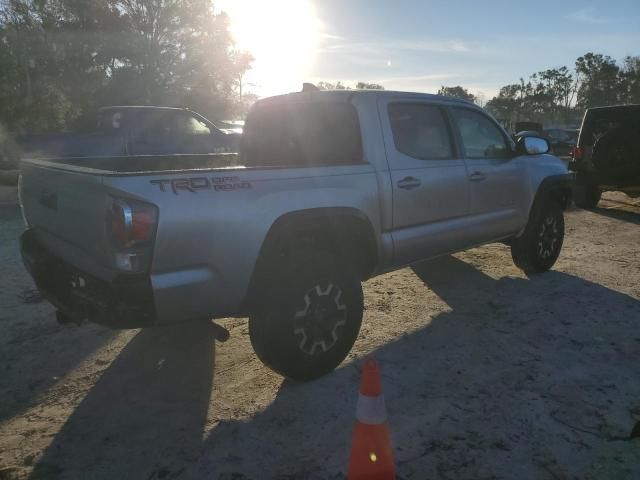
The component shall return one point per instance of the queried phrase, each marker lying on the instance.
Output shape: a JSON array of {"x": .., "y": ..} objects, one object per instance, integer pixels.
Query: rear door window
[
  {"x": 302, "y": 134},
  {"x": 111, "y": 121},
  {"x": 420, "y": 131},
  {"x": 153, "y": 123}
]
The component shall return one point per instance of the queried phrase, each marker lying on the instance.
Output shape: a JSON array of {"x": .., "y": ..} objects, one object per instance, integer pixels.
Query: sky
[{"x": 419, "y": 45}]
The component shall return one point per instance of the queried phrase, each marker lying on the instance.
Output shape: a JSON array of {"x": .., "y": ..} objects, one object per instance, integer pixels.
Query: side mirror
[{"x": 533, "y": 145}]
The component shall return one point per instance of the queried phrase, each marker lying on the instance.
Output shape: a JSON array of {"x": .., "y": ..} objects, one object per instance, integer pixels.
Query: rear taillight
[
  {"x": 131, "y": 227},
  {"x": 132, "y": 223},
  {"x": 577, "y": 153}
]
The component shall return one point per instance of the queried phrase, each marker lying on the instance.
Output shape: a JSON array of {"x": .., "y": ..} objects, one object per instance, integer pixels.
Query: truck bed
[
  {"x": 143, "y": 164},
  {"x": 208, "y": 237},
  {"x": 58, "y": 145}
]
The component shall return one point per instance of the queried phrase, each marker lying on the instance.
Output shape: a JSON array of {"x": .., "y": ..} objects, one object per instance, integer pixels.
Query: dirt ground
[{"x": 487, "y": 374}]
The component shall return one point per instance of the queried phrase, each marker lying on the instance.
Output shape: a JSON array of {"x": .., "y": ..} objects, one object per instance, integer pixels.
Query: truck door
[
  {"x": 430, "y": 187},
  {"x": 497, "y": 181}
]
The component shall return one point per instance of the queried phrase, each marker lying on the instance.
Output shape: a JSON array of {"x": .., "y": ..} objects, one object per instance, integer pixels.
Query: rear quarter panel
[{"x": 208, "y": 240}]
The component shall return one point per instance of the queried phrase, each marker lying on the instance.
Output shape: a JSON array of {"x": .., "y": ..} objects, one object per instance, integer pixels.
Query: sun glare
[{"x": 282, "y": 36}]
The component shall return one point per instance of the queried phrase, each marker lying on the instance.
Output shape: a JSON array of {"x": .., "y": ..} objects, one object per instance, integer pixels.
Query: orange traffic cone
[{"x": 371, "y": 455}]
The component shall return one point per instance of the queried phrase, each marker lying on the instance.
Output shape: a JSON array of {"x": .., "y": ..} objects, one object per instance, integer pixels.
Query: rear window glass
[
  {"x": 601, "y": 121},
  {"x": 110, "y": 120},
  {"x": 420, "y": 131},
  {"x": 302, "y": 134}
]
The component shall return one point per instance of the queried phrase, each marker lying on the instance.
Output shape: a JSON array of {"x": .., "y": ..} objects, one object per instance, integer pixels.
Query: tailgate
[{"x": 67, "y": 212}]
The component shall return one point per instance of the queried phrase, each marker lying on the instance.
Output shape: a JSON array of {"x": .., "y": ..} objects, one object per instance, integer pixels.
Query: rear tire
[
  {"x": 587, "y": 195},
  {"x": 308, "y": 317},
  {"x": 538, "y": 248}
]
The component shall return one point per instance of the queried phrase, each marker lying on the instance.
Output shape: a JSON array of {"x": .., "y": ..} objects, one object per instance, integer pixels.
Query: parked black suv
[{"x": 607, "y": 156}]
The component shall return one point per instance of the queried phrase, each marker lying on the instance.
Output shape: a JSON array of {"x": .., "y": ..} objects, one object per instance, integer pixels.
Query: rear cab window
[{"x": 302, "y": 133}]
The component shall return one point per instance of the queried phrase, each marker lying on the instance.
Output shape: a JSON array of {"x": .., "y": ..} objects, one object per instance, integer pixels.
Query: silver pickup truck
[{"x": 330, "y": 189}]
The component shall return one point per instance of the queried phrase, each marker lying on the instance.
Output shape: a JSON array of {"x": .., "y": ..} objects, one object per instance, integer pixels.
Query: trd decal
[{"x": 222, "y": 184}]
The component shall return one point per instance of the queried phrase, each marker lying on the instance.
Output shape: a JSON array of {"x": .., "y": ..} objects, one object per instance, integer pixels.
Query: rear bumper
[
  {"x": 124, "y": 302},
  {"x": 584, "y": 170}
]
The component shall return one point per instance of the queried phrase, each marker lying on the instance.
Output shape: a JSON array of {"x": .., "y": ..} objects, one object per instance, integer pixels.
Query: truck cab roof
[{"x": 346, "y": 95}]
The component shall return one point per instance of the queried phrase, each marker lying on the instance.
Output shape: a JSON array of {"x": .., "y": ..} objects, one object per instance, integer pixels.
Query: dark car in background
[
  {"x": 607, "y": 155},
  {"x": 133, "y": 130},
  {"x": 528, "y": 126},
  {"x": 562, "y": 140}
]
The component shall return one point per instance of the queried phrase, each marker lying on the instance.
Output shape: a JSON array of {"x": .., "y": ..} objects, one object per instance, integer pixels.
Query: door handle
[
  {"x": 409, "y": 183},
  {"x": 477, "y": 177}
]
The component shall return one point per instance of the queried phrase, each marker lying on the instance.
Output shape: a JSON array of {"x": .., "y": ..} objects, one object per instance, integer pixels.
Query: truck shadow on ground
[
  {"x": 489, "y": 389},
  {"x": 31, "y": 337},
  {"x": 619, "y": 214},
  {"x": 148, "y": 408},
  {"x": 37, "y": 374},
  {"x": 470, "y": 395}
]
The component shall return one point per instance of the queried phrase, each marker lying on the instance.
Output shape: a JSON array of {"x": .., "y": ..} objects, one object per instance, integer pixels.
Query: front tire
[
  {"x": 309, "y": 317},
  {"x": 538, "y": 248}
]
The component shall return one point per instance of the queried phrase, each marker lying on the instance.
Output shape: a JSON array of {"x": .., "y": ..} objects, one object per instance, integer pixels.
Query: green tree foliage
[
  {"x": 599, "y": 80},
  {"x": 560, "y": 96},
  {"x": 60, "y": 60},
  {"x": 560, "y": 86},
  {"x": 457, "y": 92},
  {"x": 368, "y": 86},
  {"x": 32, "y": 92},
  {"x": 630, "y": 77},
  {"x": 332, "y": 86},
  {"x": 547, "y": 96},
  {"x": 341, "y": 86}
]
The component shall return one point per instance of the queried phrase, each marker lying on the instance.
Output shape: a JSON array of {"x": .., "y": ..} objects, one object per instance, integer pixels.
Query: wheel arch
[
  {"x": 346, "y": 231},
  {"x": 557, "y": 187}
]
